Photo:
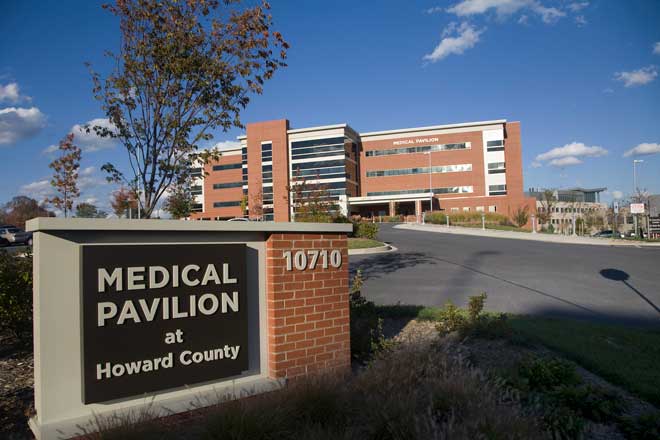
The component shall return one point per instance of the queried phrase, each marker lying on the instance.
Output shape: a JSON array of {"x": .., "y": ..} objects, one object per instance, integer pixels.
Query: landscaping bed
[{"x": 364, "y": 243}]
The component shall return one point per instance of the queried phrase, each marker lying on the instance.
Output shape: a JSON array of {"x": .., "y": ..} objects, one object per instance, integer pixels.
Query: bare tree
[
  {"x": 185, "y": 68},
  {"x": 65, "y": 175}
]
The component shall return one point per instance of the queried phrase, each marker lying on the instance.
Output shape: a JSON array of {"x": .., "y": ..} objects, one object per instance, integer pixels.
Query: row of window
[
  {"x": 226, "y": 204},
  {"x": 420, "y": 149},
  {"x": 228, "y": 166},
  {"x": 496, "y": 168},
  {"x": 227, "y": 185},
  {"x": 567, "y": 210},
  {"x": 422, "y": 170},
  {"x": 266, "y": 152},
  {"x": 491, "y": 208},
  {"x": 323, "y": 151},
  {"x": 497, "y": 190},
  {"x": 196, "y": 190},
  {"x": 444, "y": 190},
  {"x": 495, "y": 145},
  {"x": 316, "y": 142}
]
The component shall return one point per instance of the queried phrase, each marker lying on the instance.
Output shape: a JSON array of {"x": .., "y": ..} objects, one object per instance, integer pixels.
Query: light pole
[
  {"x": 635, "y": 162},
  {"x": 430, "y": 183}
]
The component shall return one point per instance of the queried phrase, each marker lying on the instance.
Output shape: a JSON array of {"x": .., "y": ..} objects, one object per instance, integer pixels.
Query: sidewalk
[{"x": 551, "y": 238}]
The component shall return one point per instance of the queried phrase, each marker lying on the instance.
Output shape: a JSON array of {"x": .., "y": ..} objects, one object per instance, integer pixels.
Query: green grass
[
  {"x": 363, "y": 243},
  {"x": 627, "y": 356},
  {"x": 492, "y": 226}
]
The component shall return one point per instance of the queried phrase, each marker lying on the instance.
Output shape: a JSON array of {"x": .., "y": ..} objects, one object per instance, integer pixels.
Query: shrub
[
  {"x": 544, "y": 374},
  {"x": 392, "y": 219},
  {"x": 367, "y": 335},
  {"x": 593, "y": 403},
  {"x": 16, "y": 295},
  {"x": 521, "y": 216},
  {"x": 476, "y": 306},
  {"x": 450, "y": 319},
  {"x": 642, "y": 427},
  {"x": 366, "y": 230},
  {"x": 436, "y": 218}
]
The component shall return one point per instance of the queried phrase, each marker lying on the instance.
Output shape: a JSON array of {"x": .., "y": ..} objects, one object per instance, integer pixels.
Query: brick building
[{"x": 474, "y": 166}]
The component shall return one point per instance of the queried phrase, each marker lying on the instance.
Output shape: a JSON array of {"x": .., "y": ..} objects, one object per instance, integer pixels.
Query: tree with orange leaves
[{"x": 65, "y": 175}]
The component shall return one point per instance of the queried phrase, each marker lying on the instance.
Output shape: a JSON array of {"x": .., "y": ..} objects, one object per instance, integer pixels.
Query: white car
[{"x": 239, "y": 219}]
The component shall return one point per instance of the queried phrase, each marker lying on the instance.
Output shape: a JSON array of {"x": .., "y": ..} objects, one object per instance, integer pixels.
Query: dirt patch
[{"x": 16, "y": 391}]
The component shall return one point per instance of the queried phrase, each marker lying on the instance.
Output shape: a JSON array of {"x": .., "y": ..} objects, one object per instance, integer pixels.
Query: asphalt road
[{"x": 519, "y": 276}]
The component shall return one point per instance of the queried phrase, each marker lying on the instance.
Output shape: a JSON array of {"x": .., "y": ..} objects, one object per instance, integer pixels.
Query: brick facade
[{"x": 308, "y": 310}]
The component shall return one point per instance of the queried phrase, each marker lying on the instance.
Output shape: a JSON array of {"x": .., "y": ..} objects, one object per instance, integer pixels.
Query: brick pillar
[
  {"x": 308, "y": 310},
  {"x": 418, "y": 210},
  {"x": 392, "y": 208}
]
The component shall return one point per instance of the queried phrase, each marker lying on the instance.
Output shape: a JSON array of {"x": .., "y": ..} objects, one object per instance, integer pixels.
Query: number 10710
[{"x": 309, "y": 259}]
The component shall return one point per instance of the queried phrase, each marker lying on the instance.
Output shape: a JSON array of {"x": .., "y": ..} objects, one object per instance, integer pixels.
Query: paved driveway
[{"x": 518, "y": 276}]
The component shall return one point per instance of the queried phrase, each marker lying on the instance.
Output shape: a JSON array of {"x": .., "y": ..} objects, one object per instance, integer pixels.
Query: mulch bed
[{"x": 16, "y": 389}]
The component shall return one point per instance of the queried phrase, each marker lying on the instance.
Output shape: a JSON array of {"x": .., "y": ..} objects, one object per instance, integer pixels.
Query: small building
[{"x": 572, "y": 206}]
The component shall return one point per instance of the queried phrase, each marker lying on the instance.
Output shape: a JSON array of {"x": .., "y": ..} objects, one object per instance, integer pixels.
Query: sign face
[
  {"x": 654, "y": 224},
  {"x": 637, "y": 208},
  {"x": 157, "y": 317},
  {"x": 616, "y": 207}
]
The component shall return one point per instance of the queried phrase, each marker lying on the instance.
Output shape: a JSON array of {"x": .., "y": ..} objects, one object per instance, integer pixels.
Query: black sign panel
[
  {"x": 654, "y": 224},
  {"x": 156, "y": 317}
]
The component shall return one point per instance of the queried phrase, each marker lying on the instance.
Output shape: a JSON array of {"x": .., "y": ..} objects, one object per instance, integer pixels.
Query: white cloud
[
  {"x": 643, "y": 149},
  {"x": 608, "y": 90},
  {"x": 580, "y": 20},
  {"x": 505, "y": 8},
  {"x": 466, "y": 36},
  {"x": 50, "y": 149},
  {"x": 616, "y": 194},
  {"x": 574, "y": 150},
  {"x": 577, "y": 6},
  {"x": 10, "y": 93},
  {"x": 90, "y": 142},
  {"x": 536, "y": 164},
  {"x": 637, "y": 77},
  {"x": 656, "y": 48},
  {"x": 87, "y": 171},
  {"x": 226, "y": 145},
  {"x": 434, "y": 9},
  {"x": 20, "y": 123},
  {"x": 38, "y": 190},
  {"x": 565, "y": 161}
]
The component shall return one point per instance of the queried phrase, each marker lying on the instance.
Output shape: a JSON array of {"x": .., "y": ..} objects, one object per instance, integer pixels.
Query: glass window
[
  {"x": 445, "y": 190},
  {"x": 422, "y": 170},
  {"x": 466, "y": 209},
  {"x": 492, "y": 208},
  {"x": 497, "y": 190},
  {"x": 226, "y": 204},
  {"x": 420, "y": 149},
  {"x": 496, "y": 168},
  {"x": 480, "y": 209},
  {"x": 454, "y": 209},
  {"x": 196, "y": 172},
  {"x": 316, "y": 142},
  {"x": 229, "y": 166},
  {"x": 227, "y": 185}
]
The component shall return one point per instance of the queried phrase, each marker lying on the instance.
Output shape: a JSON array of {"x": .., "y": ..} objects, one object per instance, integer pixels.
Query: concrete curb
[
  {"x": 373, "y": 250},
  {"x": 547, "y": 238}
]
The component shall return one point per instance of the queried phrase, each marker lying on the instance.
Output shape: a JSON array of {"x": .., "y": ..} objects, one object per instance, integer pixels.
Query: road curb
[
  {"x": 545, "y": 238},
  {"x": 374, "y": 250}
]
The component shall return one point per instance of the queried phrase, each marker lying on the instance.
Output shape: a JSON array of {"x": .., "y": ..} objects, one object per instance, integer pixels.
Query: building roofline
[
  {"x": 309, "y": 129},
  {"x": 433, "y": 127}
]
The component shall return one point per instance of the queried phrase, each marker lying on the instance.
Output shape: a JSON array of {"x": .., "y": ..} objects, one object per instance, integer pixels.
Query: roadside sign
[
  {"x": 637, "y": 208},
  {"x": 616, "y": 207},
  {"x": 654, "y": 224}
]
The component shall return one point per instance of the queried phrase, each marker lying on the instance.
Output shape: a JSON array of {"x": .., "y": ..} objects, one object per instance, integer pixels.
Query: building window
[
  {"x": 196, "y": 172},
  {"x": 267, "y": 152},
  {"x": 422, "y": 170},
  {"x": 454, "y": 209},
  {"x": 421, "y": 149},
  {"x": 445, "y": 190},
  {"x": 497, "y": 190},
  {"x": 196, "y": 190},
  {"x": 492, "y": 208},
  {"x": 495, "y": 145},
  {"x": 226, "y": 204},
  {"x": 229, "y": 166},
  {"x": 196, "y": 207},
  {"x": 480, "y": 209},
  {"x": 466, "y": 209},
  {"x": 496, "y": 168},
  {"x": 318, "y": 148},
  {"x": 227, "y": 185}
]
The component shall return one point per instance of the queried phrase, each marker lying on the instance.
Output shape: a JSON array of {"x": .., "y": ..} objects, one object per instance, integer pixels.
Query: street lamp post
[{"x": 635, "y": 162}]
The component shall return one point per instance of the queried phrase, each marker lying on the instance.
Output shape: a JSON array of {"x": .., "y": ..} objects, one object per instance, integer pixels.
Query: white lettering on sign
[
  {"x": 416, "y": 141},
  {"x": 309, "y": 259}
]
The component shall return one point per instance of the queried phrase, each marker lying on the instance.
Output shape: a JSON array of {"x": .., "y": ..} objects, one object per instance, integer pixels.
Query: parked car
[
  {"x": 239, "y": 219},
  {"x": 604, "y": 234},
  {"x": 11, "y": 235}
]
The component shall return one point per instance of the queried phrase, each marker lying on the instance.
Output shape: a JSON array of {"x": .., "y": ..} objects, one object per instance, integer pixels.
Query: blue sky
[{"x": 582, "y": 77}]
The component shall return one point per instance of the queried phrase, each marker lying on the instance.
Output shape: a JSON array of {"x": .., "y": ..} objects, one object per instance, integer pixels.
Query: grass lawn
[
  {"x": 363, "y": 243},
  {"x": 493, "y": 226},
  {"x": 627, "y": 356}
]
